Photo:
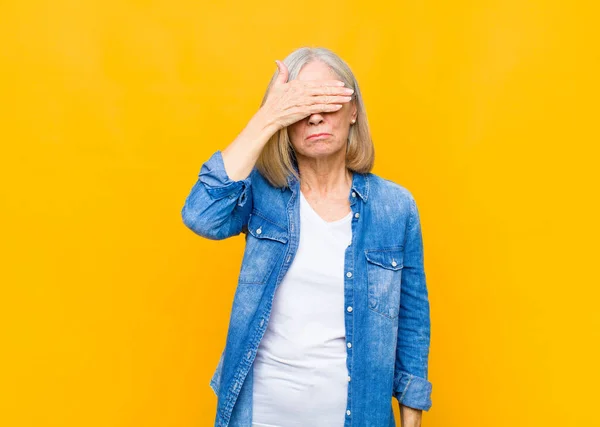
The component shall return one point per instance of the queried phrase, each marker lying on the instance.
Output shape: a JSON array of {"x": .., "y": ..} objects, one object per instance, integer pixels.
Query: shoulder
[{"x": 386, "y": 191}]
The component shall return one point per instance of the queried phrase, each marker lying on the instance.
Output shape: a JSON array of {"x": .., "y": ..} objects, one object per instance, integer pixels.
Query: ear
[{"x": 354, "y": 113}]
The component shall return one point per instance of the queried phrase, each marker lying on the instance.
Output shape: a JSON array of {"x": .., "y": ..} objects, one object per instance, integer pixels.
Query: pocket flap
[
  {"x": 262, "y": 228},
  {"x": 386, "y": 258}
]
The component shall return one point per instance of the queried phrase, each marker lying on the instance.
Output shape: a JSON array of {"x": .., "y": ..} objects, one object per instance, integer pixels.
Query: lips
[{"x": 316, "y": 135}]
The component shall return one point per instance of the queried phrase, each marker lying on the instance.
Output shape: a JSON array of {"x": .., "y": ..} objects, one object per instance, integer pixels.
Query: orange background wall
[{"x": 114, "y": 314}]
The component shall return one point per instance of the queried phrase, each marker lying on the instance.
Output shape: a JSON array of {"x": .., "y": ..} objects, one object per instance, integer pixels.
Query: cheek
[{"x": 339, "y": 124}]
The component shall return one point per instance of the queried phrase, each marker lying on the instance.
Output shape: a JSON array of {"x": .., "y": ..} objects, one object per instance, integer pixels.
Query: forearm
[
  {"x": 410, "y": 417},
  {"x": 240, "y": 156}
]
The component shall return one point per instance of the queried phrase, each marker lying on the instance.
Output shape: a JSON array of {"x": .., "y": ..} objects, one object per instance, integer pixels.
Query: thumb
[{"x": 283, "y": 72}]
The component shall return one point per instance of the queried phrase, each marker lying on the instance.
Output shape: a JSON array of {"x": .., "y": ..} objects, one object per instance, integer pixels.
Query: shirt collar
[{"x": 360, "y": 184}]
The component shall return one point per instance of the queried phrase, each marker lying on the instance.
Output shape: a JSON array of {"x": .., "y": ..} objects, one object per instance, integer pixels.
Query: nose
[{"x": 315, "y": 119}]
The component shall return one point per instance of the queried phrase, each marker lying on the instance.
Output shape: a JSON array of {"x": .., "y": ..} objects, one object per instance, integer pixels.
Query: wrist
[
  {"x": 266, "y": 121},
  {"x": 410, "y": 417}
]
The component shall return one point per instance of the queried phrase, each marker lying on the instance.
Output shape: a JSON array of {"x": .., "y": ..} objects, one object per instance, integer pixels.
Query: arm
[
  {"x": 411, "y": 387},
  {"x": 220, "y": 202},
  {"x": 410, "y": 417}
]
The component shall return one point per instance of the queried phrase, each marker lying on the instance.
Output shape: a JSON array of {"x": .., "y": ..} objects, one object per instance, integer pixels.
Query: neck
[{"x": 322, "y": 178}]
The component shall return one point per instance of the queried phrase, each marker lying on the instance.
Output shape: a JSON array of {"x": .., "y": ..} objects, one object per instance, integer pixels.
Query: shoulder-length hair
[{"x": 277, "y": 159}]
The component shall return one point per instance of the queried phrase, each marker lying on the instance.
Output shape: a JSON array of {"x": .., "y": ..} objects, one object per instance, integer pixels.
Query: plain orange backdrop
[{"x": 113, "y": 314}]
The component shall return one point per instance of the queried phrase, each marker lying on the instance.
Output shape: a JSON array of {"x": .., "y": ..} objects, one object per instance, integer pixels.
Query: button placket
[{"x": 349, "y": 307}]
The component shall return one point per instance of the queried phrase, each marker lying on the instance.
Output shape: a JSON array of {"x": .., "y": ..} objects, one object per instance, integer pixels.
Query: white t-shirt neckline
[{"x": 314, "y": 213}]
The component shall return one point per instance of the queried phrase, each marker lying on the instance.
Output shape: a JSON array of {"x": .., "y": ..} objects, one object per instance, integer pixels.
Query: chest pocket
[
  {"x": 384, "y": 276},
  {"x": 265, "y": 244}
]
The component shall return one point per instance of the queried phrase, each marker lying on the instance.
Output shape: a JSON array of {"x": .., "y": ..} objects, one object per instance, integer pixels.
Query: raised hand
[{"x": 289, "y": 102}]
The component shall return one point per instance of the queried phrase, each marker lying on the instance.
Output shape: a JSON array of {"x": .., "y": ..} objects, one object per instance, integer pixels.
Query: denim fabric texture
[{"x": 388, "y": 326}]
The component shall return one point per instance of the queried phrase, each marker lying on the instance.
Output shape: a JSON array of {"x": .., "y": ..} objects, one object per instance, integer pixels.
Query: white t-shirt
[{"x": 300, "y": 375}]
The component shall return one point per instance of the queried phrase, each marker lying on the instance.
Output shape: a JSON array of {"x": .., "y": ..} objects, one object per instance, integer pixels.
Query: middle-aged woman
[{"x": 330, "y": 318}]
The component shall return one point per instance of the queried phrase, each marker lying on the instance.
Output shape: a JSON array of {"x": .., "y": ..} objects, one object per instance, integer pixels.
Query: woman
[{"x": 330, "y": 318}]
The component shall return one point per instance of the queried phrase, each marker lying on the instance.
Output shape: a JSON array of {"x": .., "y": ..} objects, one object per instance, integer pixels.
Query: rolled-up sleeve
[
  {"x": 218, "y": 184},
  {"x": 217, "y": 207},
  {"x": 411, "y": 386}
]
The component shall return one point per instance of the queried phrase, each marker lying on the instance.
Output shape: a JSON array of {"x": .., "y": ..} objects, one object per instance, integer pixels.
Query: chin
[{"x": 321, "y": 150}]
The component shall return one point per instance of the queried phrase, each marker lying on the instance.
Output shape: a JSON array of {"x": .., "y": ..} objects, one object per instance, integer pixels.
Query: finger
[
  {"x": 322, "y": 83},
  {"x": 282, "y": 76},
  {"x": 316, "y": 108},
  {"x": 329, "y": 90},
  {"x": 327, "y": 99},
  {"x": 326, "y": 107}
]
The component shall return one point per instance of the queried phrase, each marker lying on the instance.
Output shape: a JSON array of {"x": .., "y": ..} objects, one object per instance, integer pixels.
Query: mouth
[{"x": 318, "y": 136}]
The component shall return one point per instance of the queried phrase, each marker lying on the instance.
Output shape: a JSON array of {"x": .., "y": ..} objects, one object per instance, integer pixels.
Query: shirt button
[
  {"x": 262, "y": 322},
  {"x": 348, "y": 412},
  {"x": 353, "y": 194},
  {"x": 349, "y": 274},
  {"x": 249, "y": 354},
  {"x": 348, "y": 378},
  {"x": 349, "y": 309},
  {"x": 258, "y": 231},
  {"x": 349, "y": 344},
  {"x": 356, "y": 215},
  {"x": 394, "y": 263}
]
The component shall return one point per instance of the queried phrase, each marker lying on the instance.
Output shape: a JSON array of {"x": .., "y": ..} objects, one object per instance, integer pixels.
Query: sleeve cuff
[
  {"x": 218, "y": 184},
  {"x": 413, "y": 391}
]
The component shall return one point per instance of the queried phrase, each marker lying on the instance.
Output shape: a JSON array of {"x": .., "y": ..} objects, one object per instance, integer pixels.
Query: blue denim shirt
[{"x": 388, "y": 327}]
